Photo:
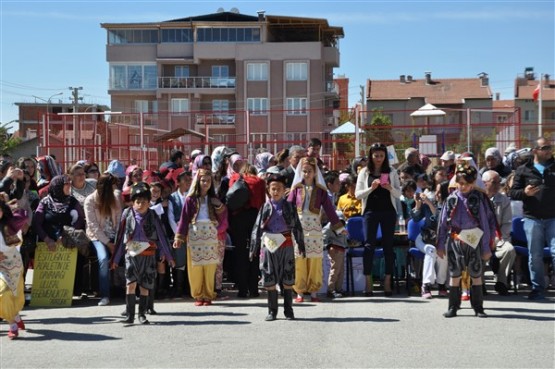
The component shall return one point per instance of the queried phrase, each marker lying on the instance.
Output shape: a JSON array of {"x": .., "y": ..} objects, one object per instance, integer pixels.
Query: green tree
[
  {"x": 380, "y": 128},
  {"x": 7, "y": 140}
]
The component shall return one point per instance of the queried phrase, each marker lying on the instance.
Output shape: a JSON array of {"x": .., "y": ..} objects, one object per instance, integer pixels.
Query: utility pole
[{"x": 76, "y": 137}]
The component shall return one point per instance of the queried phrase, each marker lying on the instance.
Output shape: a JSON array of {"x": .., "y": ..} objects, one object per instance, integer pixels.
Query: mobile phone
[
  {"x": 534, "y": 182},
  {"x": 384, "y": 178}
]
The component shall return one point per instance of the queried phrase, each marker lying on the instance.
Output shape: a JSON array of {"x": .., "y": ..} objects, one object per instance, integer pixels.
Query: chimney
[
  {"x": 428, "y": 77},
  {"x": 484, "y": 79},
  {"x": 261, "y": 15},
  {"x": 402, "y": 78},
  {"x": 409, "y": 78},
  {"x": 497, "y": 96}
]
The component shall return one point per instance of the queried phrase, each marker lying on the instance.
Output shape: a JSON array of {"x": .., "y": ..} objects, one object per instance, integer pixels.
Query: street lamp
[{"x": 45, "y": 121}]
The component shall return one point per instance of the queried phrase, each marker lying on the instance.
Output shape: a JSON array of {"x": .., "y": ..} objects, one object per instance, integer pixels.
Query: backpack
[{"x": 238, "y": 194}]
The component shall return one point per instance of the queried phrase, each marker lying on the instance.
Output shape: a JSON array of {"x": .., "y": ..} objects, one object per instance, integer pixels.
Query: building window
[
  {"x": 177, "y": 35},
  {"x": 181, "y": 71},
  {"x": 257, "y": 105},
  {"x": 296, "y": 71},
  {"x": 179, "y": 105},
  {"x": 133, "y": 77},
  {"x": 228, "y": 34},
  {"x": 220, "y": 71},
  {"x": 132, "y": 36},
  {"x": 528, "y": 115},
  {"x": 296, "y": 106},
  {"x": 141, "y": 106},
  {"x": 257, "y": 71}
]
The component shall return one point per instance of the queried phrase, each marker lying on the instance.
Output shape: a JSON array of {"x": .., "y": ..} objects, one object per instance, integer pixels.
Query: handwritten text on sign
[{"x": 53, "y": 276}]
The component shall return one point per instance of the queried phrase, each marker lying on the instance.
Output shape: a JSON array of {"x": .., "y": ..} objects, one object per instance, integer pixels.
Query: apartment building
[
  {"x": 236, "y": 78},
  {"x": 525, "y": 85}
]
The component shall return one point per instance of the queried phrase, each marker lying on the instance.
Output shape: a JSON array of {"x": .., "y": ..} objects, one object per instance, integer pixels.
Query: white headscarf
[{"x": 318, "y": 178}]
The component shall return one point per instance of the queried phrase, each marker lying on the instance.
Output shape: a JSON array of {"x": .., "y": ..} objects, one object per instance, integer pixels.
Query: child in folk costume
[
  {"x": 12, "y": 297},
  {"x": 276, "y": 225},
  {"x": 140, "y": 234},
  {"x": 466, "y": 232},
  {"x": 309, "y": 195},
  {"x": 203, "y": 220}
]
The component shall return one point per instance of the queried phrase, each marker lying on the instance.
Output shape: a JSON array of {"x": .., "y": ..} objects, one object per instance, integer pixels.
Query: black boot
[
  {"x": 477, "y": 301},
  {"x": 150, "y": 302},
  {"x": 160, "y": 287},
  {"x": 454, "y": 302},
  {"x": 272, "y": 305},
  {"x": 143, "y": 301},
  {"x": 179, "y": 283},
  {"x": 288, "y": 304},
  {"x": 130, "y": 310}
]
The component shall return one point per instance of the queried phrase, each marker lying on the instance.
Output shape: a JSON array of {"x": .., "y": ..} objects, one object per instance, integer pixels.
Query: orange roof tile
[
  {"x": 525, "y": 92},
  {"x": 442, "y": 91}
]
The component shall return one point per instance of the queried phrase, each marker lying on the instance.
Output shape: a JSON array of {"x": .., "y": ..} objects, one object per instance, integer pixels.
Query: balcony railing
[
  {"x": 331, "y": 87},
  {"x": 196, "y": 82},
  {"x": 224, "y": 119}
]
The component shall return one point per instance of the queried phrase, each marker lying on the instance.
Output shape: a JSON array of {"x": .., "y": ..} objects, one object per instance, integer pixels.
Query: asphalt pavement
[{"x": 351, "y": 332}]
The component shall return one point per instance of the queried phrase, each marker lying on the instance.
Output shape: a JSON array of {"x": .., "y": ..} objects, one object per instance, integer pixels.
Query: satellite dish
[
  {"x": 220, "y": 10},
  {"x": 234, "y": 10}
]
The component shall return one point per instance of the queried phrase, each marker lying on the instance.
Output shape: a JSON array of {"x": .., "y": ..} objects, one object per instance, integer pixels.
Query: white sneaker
[{"x": 104, "y": 301}]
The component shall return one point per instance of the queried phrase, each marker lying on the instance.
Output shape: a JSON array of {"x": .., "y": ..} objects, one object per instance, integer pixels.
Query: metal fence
[{"x": 147, "y": 139}]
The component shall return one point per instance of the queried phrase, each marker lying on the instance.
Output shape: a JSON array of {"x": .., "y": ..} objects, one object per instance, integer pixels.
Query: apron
[
  {"x": 313, "y": 237},
  {"x": 11, "y": 268},
  {"x": 202, "y": 243}
]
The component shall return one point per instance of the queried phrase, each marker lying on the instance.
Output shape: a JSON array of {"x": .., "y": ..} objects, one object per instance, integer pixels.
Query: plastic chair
[
  {"x": 414, "y": 254},
  {"x": 355, "y": 233}
]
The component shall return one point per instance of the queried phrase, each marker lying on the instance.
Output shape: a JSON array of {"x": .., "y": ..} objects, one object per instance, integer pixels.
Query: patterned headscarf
[
  {"x": 217, "y": 158},
  {"x": 232, "y": 160},
  {"x": 262, "y": 161},
  {"x": 197, "y": 163},
  {"x": 47, "y": 168},
  {"x": 57, "y": 201}
]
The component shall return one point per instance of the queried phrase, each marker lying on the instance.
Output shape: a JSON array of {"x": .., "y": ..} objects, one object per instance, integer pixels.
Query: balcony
[
  {"x": 221, "y": 119},
  {"x": 331, "y": 88},
  {"x": 196, "y": 82}
]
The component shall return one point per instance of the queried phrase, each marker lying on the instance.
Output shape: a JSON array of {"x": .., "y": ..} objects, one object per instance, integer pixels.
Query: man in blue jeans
[{"x": 534, "y": 184}]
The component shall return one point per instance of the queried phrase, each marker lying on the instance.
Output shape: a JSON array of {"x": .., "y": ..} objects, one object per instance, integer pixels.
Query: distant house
[{"x": 525, "y": 85}]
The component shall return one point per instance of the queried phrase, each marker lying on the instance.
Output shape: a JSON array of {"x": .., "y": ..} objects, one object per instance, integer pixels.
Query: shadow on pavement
[
  {"x": 72, "y": 320},
  {"x": 348, "y": 320},
  {"x": 48, "y": 335},
  {"x": 198, "y": 313},
  {"x": 203, "y": 322}
]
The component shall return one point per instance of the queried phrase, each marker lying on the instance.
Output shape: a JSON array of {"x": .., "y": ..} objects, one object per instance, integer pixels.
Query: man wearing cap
[
  {"x": 448, "y": 162},
  {"x": 412, "y": 157},
  {"x": 494, "y": 161},
  {"x": 534, "y": 184}
]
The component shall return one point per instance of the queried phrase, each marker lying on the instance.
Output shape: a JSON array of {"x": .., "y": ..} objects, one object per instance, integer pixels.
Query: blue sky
[{"x": 48, "y": 46}]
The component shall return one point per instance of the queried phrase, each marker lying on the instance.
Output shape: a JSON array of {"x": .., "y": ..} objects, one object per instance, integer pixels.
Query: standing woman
[
  {"x": 466, "y": 209},
  {"x": 379, "y": 190},
  {"x": 203, "y": 219},
  {"x": 103, "y": 214},
  {"x": 309, "y": 195}
]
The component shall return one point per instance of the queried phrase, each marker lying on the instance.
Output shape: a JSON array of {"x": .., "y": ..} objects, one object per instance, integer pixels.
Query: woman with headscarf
[
  {"x": 241, "y": 222},
  {"x": 263, "y": 161},
  {"x": 48, "y": 169},
  {"x": 201, "y": 161},
  {"x": 309, "y": 194},
  {"x": 56, "y": 210}
]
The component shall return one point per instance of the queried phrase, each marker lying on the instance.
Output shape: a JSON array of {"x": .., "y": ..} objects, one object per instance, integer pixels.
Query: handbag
[
  {"x": 76, "y": 238},
  {"x": 238, "y": 194}
]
